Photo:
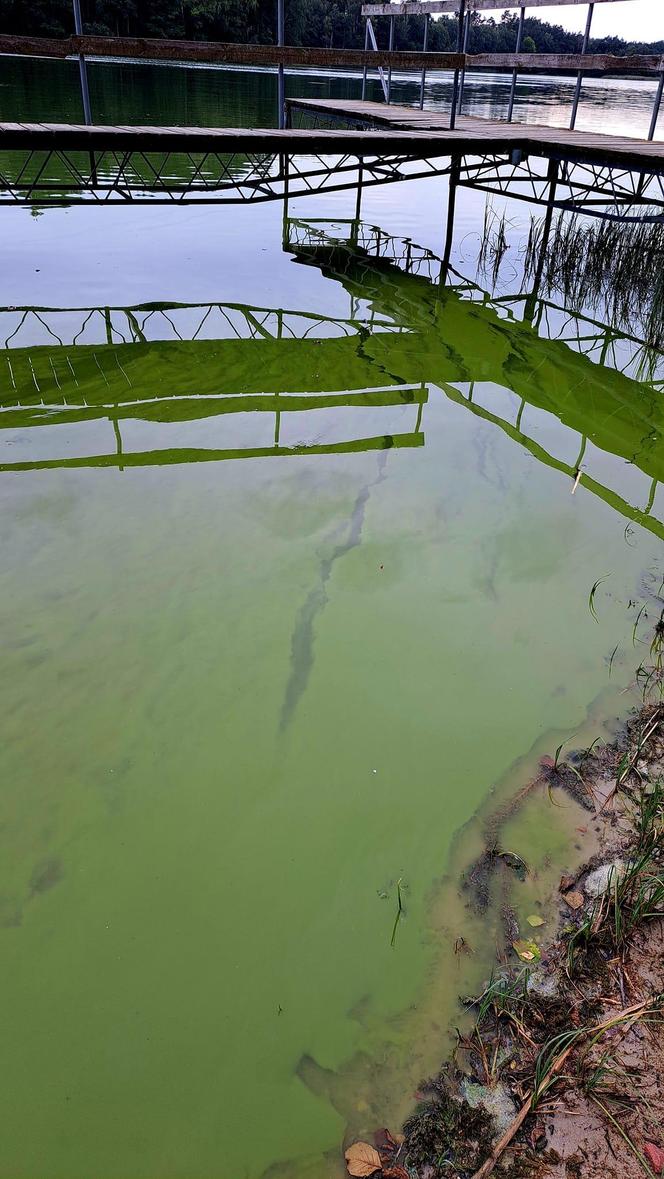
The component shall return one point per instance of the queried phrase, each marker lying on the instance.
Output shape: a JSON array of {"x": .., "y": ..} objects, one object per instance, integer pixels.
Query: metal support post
[
  {"x": 366, "y": 50},
  {"x": 466, "y": 40},
  {"x": 285, "y": 219},
  {"x": 455, "y": 173},
  {"x": 579, "y": 78},
  {"x": 82, "y": 66},
  {"x": 389, "y": 71},
  {"x": 655, "y": 111},
  {"x": 374, "y": 46},
  {"x": 531, "y": 300},
  {"x": 355, "y": 226},
  {"x": 455, "y": 88},
  {"x": 425, "y": 43},
  {"x": 281, "y": 40},
  {"x": 519, "y": 39}
]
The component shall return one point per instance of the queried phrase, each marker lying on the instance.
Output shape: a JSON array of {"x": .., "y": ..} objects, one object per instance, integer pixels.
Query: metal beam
[
  {"x": 374, "y": 47},
  {"x": 85, "y": 92},
  {"x": 519, "y": 39},
  {"x": 425, "y": 42},
  {"x": 455, "y": 88},
  {"x": 656, "y": 108},
  {"x": 579, "y": 79},
  {"x": 281, "y": 39}
]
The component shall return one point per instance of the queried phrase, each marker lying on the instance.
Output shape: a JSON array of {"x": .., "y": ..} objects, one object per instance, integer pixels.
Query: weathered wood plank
[
  {"x": 605, "y": 63},
  {"x": 142, "y": 48},
  {"x": 471, "y": 136},
  {"x": 422, "y": 7},
  {"x": 222, "y": 53},
  {"x": 474, "y": 133}
]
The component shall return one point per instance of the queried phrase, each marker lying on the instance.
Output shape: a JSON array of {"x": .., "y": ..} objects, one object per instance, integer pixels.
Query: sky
[{"x": 635, "y": 20}]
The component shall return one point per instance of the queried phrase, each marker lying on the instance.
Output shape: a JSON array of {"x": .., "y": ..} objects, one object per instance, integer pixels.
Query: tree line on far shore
[{"x": 334, "y": 23}]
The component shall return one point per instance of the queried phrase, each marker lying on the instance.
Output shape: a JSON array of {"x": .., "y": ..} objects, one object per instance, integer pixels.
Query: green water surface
[{"x": 292, "y": 574}]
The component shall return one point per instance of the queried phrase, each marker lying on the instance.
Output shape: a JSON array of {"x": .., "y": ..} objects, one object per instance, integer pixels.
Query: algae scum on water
[{"x": 298, "y": 548}]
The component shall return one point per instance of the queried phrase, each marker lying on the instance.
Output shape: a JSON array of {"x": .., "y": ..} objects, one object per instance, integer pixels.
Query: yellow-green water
[{"x": 284, "y": 596}]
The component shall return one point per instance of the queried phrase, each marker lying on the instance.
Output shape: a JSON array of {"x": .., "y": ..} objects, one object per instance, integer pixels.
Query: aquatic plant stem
[{"x": 399, "y": 912}]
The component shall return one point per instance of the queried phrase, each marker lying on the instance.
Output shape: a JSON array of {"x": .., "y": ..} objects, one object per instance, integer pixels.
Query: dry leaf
[
  {"x": 362, "y": 1160},
  {"x": 534, "y": 920},
  {"x": 574, "y": 899},
  {"x": 527, "y": 951},
  {"x": 396, "y": 1172},
  {"x": 566, "y": 882},
  {"x": 655, "y": 1156}
]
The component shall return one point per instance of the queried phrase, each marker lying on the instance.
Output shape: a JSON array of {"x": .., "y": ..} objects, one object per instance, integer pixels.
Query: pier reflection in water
[
  {"x": 181, "y": 384},
  {"x": 242, "y": 698}
]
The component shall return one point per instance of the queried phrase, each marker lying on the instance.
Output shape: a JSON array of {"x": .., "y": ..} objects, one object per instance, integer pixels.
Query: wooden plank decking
[
  {"x": 480, "y": 134},
  {"x": 380, "y": 130}
]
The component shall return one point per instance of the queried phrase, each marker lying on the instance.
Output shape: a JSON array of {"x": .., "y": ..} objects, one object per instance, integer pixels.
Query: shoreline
[{"x": 563, "y": 1030}]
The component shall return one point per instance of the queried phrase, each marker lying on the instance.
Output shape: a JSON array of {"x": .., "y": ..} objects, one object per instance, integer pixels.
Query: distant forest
[{"x": 334, "y": 23}]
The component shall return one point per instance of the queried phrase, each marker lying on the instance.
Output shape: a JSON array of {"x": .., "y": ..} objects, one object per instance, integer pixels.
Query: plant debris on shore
[{"x": 562, "y": 1072}]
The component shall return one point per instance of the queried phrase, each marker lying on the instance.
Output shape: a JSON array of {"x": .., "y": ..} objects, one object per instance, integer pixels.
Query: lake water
[{"x": 294, "y": 592}]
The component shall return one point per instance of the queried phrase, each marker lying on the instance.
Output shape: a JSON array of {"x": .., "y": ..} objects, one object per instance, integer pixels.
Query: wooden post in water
[
  {"x": 579, "y": 79},
  {"x": 519, "y": 38},
  {"x": 425, "y": 43},
  {"x": 281, "y": 40},
  {"x": 83, "y": 69}
]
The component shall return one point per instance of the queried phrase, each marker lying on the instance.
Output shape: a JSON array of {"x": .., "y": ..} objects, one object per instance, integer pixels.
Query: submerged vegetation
[
  {"x": 612, "y": 269},
  {"x": 613, "y": 266}
]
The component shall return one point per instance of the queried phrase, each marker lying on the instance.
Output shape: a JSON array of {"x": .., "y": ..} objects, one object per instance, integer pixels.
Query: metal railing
[
  {"x": 82, "y": 46},
  {"x": 464, "y": 9}
]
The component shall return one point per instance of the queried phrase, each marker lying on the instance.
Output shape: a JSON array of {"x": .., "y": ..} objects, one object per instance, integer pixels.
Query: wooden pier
[
  {"x": 480, "y": 135},
  {"x": 376, "y": 129},
  {"x": 49, "y": 163}
]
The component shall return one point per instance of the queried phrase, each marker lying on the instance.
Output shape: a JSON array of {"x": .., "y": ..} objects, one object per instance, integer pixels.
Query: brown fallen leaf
[
  {"x": 574, "y": 900},
  {"x": 566, "y": 882},
  {"x": 362, "y": 1160},
  {"x": 655, "y": 1156},
  {"x": 397, "y": 1172}
]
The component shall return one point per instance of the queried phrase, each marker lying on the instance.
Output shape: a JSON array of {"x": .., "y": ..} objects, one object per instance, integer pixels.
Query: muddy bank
[{"x": 559, "y": 1069}]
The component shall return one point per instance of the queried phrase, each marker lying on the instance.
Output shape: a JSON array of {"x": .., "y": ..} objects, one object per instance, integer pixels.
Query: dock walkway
[
  {"x": 484, "y": 135},
  {"x": 55, "y": 163},
  {"x": 376, "y": 129}
]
